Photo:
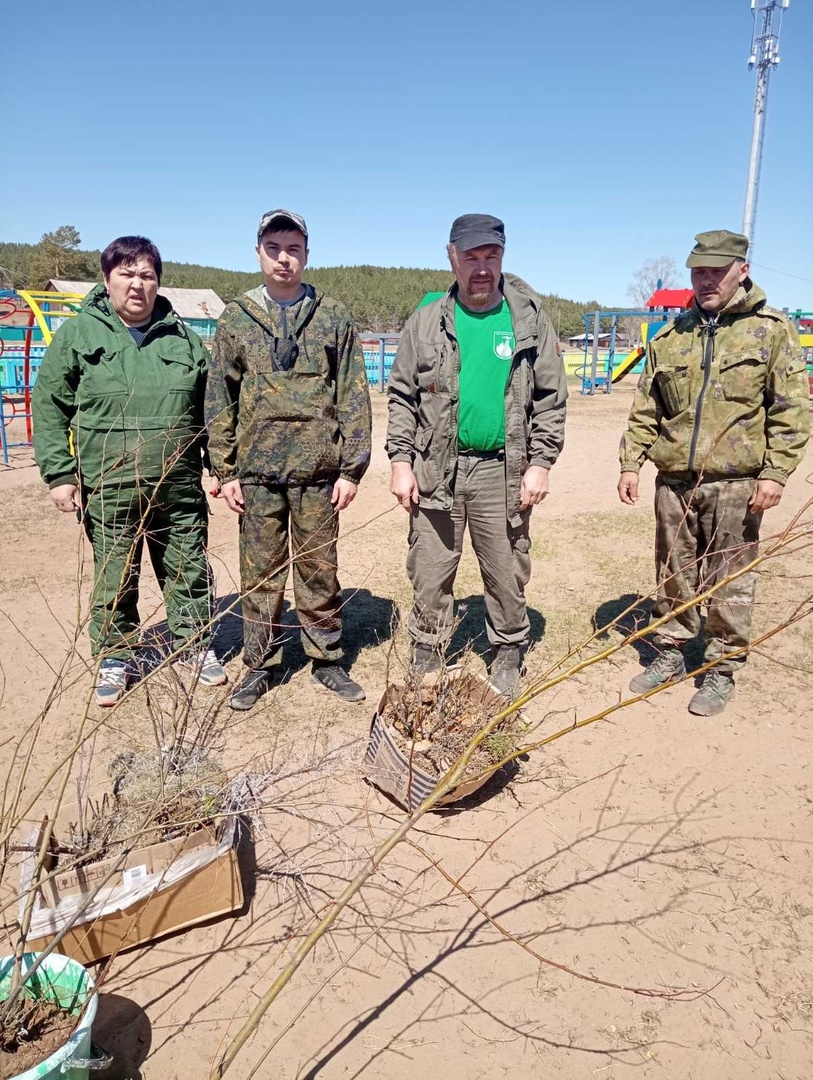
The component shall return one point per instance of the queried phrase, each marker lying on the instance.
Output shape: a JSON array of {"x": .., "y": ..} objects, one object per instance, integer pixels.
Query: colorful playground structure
[
  {"x": 600, "y": 369},
  {"x": 28, "y": 321}
]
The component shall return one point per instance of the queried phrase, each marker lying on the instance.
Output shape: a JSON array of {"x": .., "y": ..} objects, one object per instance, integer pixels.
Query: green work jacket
[{"x": 115, "y": 413}]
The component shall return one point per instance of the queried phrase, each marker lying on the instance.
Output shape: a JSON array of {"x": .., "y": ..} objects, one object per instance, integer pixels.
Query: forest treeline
[{"x": 380, "y": 298}]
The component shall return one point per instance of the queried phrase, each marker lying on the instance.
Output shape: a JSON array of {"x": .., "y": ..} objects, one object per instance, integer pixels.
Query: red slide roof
[{"x": 670, "y": 298}]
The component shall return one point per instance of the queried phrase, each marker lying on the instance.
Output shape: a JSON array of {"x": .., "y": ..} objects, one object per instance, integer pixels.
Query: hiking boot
[
  {"x": 505, "y": 670},
  {"x": 335, "y": 679},
  {"x": 204, "y": 666},
  {"x": 664, "y": 669},
  {"x": 715, "y": 693},
  {"x": 115, "y": 678},
  {"x": 255, "y": 683},
  {"x": 425, "y": 660}
]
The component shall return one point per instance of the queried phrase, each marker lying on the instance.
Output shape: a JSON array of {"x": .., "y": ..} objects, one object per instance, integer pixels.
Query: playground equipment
[
  {"x": 379, "y": 353},
  {"x": 803, "y": 321},
  {"x": 664, "y": 304},
  {"x": 21, "y": 350},
  {"x": 599, "y": 373}
]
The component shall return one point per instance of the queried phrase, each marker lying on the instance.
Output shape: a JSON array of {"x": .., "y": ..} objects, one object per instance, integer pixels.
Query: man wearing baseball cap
[
  {"x": 288, "y": 413},
  {"x": 476, "y": 421},
  {"x": 722, "y": 411}
]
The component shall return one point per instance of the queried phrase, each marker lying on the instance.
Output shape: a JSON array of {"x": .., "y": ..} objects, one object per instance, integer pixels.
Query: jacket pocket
[
  {"x": 424, "y": 467},
  {"x": 741, "y": 378},
  {"x": 673, "y": 387},
  {"x": 290, "y": 395},
  {"x": 102, "y": 377}
]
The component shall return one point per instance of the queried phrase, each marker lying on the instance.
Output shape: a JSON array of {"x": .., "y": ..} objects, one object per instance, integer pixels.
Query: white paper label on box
[{"x": 134, "y": 875}]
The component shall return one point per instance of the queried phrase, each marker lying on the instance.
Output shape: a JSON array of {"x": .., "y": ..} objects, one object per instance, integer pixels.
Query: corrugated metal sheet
[{"x": 188, "y": 303}]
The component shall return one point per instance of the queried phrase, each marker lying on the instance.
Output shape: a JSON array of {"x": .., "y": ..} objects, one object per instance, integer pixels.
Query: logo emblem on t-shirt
[{"x": 503, "y": 344}]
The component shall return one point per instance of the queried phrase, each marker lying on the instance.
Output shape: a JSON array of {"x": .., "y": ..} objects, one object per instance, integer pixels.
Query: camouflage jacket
[
  {"x": 118, "y": 413},
  {"x": 724, "y": 401},
  {"x": 298, "y": 420},
  {"x": 423, "y": 397}
]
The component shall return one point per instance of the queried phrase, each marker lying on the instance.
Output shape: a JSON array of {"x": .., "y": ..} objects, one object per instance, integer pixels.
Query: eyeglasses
[{"x": 285, "y": 352}]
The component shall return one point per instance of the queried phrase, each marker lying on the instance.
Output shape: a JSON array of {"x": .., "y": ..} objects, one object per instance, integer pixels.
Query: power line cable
[{"x": 784, "y": 273}]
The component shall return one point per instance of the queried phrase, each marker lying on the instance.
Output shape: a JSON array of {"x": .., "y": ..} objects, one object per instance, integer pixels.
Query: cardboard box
[
  {"x": 139, "y": 863},
  {"x": 386, "y": 765},
  {"x": 118, "y": 904}
]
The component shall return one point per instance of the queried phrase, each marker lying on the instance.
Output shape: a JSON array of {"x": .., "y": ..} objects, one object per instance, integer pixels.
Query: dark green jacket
[
  {"x": 423, "y": 396},
  {"x": 304, "y": 425},
  {"x": 730, "y": 403},
  {"x": 135, "y": 412}
]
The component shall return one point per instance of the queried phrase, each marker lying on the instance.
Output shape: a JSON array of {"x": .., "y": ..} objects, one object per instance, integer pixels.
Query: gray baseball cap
[
  {"x": 476, "y": 230},
  {"x": 718, "y": 248},
  {"x": 282, "y": 219}
]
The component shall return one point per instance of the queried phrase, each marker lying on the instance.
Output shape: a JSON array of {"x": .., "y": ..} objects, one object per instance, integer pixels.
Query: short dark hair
[{"x": 126, "y": 250}]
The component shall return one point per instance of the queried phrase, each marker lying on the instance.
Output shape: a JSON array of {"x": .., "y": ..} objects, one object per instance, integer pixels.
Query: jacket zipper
[{"x": 708, "y": 354}]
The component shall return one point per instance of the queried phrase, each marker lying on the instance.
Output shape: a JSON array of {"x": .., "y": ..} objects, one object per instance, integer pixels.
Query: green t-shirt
[{"x": 486, "y": 343}]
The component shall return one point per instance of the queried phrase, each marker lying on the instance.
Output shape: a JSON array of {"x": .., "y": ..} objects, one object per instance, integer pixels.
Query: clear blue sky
[{"x": 604, "y": 134}]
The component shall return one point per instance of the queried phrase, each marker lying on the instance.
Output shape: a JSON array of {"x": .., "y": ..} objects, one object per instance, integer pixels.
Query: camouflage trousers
[
  {"x": 703, "y": 533},
  {"x": 173, "y": 521},
  {"x": 296, "y": 527}
]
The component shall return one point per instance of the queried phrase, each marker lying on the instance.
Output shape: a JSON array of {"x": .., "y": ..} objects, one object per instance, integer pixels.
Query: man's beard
[{"x": 480, "y": 291}]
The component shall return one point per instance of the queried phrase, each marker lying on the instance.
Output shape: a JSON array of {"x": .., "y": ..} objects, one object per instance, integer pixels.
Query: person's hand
[
  {"x": 628, "y": 488},
  {"x": 766, "y": 494},
  {"x": 344, "y": 491},
  {"x": 534, "y": 486},
  {"x": 214, "y": 490},
  {"x": 66, "y": 498},
  {"x": 403, "y": 484},
  {"x": 232, "y": 492}
]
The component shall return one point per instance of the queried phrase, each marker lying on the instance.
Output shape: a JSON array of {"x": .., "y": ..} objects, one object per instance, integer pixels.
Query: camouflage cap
[
  {"x": 282, "y": 219},
  {"x": 718, "y": 248},
  {"x": 476, "y": 230}
]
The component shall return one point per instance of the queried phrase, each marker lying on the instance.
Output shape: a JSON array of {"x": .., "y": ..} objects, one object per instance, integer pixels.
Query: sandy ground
[{"x": 654, "y": 850}]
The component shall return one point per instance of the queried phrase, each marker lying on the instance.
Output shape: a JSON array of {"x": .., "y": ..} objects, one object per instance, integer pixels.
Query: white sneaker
[
  {"x": 204, "y": 665},
  {"x": 113, "y": 681}
]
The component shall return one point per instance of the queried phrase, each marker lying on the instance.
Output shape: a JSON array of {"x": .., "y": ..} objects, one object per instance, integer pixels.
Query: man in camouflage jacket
[
  {"x": 722, "y": 411},
  {"x": 288, "y": 413}
]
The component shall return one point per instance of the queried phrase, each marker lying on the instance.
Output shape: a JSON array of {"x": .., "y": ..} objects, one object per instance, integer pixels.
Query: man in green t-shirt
[{"x": 476, "y": 420}]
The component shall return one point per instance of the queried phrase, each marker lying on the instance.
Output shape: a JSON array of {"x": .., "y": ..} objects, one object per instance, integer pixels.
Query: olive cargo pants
[{"x": 503, "y": 553}]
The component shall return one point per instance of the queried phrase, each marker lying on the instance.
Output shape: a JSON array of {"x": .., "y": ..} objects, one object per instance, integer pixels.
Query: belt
[
  {"x": 693, "y": 478},
  {"x": 496, "y": 455}
]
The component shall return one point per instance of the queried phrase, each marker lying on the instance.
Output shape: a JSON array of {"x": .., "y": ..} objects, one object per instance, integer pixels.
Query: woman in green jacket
[{"x": 119, "y": 439}]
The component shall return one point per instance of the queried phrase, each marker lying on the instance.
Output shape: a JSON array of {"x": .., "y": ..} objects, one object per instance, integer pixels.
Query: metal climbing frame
[
  {"x": 19, "y": 362},
  {"x": 599, "y": 373}
]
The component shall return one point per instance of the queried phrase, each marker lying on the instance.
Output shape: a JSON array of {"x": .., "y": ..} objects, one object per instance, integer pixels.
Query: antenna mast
[{"x": 767, "y": 15}]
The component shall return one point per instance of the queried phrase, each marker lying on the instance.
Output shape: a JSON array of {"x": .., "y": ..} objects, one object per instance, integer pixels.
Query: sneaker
[
  {"x": 664, "y": 669},
  {"x": 254, "y": 684},
  {"x": 335, "y": 679},
  {"x": 715, "y": 693},
  {"x": 204, "y": 665},
  {"x": 113, "y": 681},
  {"x": 505, "y": 669},
  {"x": 425, "y": 660}
]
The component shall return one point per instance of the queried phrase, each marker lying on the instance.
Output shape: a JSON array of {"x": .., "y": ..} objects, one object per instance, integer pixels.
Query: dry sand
[{"x": 655, "y": 849}]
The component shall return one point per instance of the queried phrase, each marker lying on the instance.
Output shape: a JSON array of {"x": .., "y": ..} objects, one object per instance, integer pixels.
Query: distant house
[
  {"x": 199, "y": 308},
  {"x": 580, "y": 340}
]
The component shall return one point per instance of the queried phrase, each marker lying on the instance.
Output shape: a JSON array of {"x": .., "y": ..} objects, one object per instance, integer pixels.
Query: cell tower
[{"x": 767, "y": 15}]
